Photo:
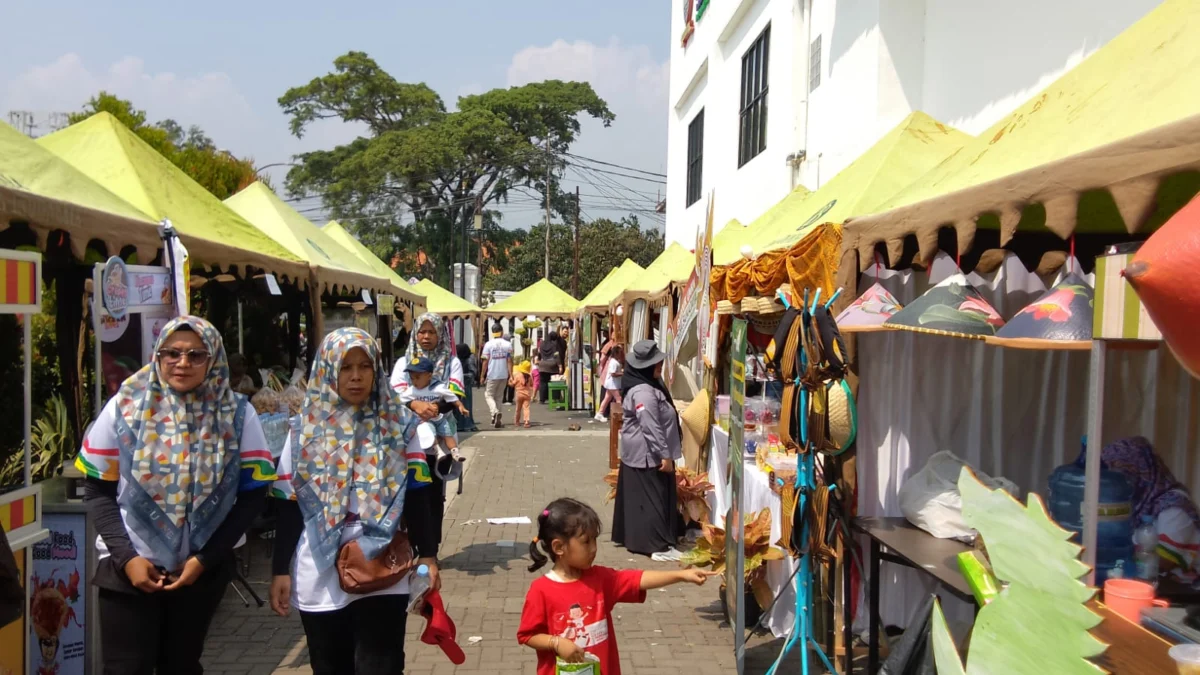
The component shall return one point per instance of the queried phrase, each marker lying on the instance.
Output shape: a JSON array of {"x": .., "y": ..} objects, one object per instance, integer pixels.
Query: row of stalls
[
  {"x": 977, "y": 283},
  {"x": 117, "y": 240}
]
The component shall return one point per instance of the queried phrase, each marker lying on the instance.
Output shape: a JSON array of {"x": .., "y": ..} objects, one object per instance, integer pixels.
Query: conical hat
[
  {"x": 842, "y": 425},
  {"x": 954, "y": 307},
  {"x": 695, "y": 421},
  {"x": 1060, "y": 319},
  {"x": 869, "y": 311}
]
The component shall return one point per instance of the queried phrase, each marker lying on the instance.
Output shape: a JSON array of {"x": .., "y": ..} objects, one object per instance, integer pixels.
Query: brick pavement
[{"x": 511, "y": 473}]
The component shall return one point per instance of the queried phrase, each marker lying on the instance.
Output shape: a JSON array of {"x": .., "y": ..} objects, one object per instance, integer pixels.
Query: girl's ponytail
[{"x": 539, "y": 559}]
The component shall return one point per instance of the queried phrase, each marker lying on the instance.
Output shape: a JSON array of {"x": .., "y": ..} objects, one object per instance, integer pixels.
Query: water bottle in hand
[
  {"x": 1145, "y": 541},
  {"x": 418, "y": 585}
]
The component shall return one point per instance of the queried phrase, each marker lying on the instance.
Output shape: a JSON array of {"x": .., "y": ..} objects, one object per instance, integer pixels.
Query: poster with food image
[{"x": 58, "y": 597}]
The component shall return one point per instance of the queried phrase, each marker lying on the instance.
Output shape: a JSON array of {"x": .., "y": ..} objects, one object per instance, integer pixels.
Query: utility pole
[
  {"x": 547, "y": 209},
  {"x": 479, "y": 231},
  {"x": 575, "y": 276}
]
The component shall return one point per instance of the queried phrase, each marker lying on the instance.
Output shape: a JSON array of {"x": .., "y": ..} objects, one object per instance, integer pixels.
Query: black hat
[{"x": 644, "y": 354}]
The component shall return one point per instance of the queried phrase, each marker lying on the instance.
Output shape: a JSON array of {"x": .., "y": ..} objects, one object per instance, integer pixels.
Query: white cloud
[{"x": 634, "y": 84}]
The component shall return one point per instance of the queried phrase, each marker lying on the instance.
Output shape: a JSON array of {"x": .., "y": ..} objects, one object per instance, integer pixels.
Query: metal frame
[{"x": 157, "y": 311}]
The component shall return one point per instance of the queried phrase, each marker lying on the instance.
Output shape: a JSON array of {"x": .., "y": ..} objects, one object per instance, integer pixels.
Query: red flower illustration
[
  {"x": 980, "y": 306},
  {"x": 1056, "y": 306}
]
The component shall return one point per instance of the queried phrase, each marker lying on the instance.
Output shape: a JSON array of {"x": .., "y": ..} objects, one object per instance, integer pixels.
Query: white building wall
[{"x": 965, "y": 62}]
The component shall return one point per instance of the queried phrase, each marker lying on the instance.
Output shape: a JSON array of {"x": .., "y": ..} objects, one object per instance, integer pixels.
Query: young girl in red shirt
[{"x": 568, "y": 612}]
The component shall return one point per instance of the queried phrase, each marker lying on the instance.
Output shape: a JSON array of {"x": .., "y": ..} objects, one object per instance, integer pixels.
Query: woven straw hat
[
  {"x": 695, "y": 420},
  {"x": 843, "y": 416}
]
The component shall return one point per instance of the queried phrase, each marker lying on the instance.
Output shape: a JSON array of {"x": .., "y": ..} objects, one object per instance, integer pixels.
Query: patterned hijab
[
  {"x": 441, "y": 355},
  {"x": 339, "y": 450},
  {"x": 1154, "y": 487},
  {"x": 179, "y": 452}
]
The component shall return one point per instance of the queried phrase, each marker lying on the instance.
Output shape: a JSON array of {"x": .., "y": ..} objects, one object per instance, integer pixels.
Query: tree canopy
[
  {"x": 192, "y": 150},
  {"x": 421, "y": 162}
]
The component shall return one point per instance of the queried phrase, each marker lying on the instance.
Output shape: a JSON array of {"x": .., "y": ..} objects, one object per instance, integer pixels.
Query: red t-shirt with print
[{"x": 580, "y": 611}]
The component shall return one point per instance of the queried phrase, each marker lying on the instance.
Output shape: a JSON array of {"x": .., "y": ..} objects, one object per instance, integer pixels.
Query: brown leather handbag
[{"x": 358, "y": 575}]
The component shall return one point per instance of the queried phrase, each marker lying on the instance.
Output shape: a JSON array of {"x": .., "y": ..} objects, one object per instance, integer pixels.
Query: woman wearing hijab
[
  {"x": 433, "y": 342},
  {"x": 646, "y": 518},
  {"x": 345, "y": 476},
  {"x": 548, "y": 363},
  {"x": 1159, "y": 497},
  {"x": 177, "y": 468},
  {"x": 470, "y": 381}
]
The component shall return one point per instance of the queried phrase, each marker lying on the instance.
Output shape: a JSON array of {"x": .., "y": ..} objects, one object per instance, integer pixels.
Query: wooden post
[{"x": 614, "y": 439}]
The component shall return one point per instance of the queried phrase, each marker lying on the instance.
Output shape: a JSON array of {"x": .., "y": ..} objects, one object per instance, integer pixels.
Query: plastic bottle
[
  {"x": 1145, "y": 541},
  {"x": 418, "y": 585},
  {"x": 1114, "y": 527}
]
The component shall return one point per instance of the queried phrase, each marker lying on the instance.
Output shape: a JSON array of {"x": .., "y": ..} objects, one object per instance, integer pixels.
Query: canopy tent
[
  {"x": 673, "y": 266},
  {"x": 103, "y": 149},
  {"x": 445, "y": 303},
  {"x": 332, "y": 263},
  {"x": 347, "y": 240},
  {"x": 542, "y": 299},
  {"x": 729, "y": 250},
  {"x": 38, "y": 187},
  {"x": 1111, "y": 147},
  {"x": 611, "y": 287},
  {"x": 910, "y": 149}
]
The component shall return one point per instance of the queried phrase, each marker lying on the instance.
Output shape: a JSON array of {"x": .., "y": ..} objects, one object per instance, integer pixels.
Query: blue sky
[{"x": 222, "y": 65}]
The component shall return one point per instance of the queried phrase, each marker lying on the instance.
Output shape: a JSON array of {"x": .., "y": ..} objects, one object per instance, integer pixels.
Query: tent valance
[
  {"x": 542, "y": 299},
  {"x": 107, "y": 152},
  {"x": 1118, "y": 125},
  {"x": 445, "y": 303}
]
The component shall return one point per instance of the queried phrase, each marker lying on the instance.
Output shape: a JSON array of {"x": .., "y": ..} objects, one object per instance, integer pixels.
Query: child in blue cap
[{"x": 426, "y": 388}]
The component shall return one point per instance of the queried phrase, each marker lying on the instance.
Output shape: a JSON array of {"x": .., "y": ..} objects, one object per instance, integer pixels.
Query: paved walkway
[{"x": 510, "y": 473}]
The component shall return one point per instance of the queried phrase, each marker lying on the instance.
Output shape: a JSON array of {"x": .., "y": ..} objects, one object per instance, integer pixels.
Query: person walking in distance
[
  {"x": 612, "y": 369},
  {"x": 522, "y": 382},
  {"x": 497, "y": 364}
]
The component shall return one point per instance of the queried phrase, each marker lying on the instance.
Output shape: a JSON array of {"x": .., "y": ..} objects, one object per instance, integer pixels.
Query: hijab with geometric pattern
[
  {"x": 340, "y": 451},
  {"x": 179, "y": 452}
]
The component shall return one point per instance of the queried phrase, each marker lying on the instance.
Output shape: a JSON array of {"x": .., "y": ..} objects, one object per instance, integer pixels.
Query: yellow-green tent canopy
[
  {"x": 109, "y": 153},
  {"x": 1094, "y": 149},
  {"x": 905, "y": 153},
  {"x": 40, "y": 188},
  {"x": 672, "y": 266},
  {"x": 333, "y": 264},
  {"x": 727, "y": 243},
  {"x": 347, "y": 240},
  {"x": 542, "y": 299},
  {"x": 611, "y": 287},
  {"x": 443, "y": 302}
]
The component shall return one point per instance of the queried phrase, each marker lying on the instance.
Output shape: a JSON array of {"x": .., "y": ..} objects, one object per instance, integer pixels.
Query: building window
[
  {"x": 695, "y": 158},
  {"x": 752, "y": 136},
  {"x": 814, "y": 64}
]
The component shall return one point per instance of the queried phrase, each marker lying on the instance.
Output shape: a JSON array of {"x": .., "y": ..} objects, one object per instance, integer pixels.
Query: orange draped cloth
[{"x": 811, "y": 263}]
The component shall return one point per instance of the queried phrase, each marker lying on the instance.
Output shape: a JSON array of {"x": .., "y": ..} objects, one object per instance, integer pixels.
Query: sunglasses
[{"x": 173, "y": 356}]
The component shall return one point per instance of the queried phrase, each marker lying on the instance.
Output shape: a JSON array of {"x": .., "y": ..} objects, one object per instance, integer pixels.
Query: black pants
[
  {"x": 163, "y": 632},
  {"x": 365, "y": 637},
  {"x": 544, "y": 386}
]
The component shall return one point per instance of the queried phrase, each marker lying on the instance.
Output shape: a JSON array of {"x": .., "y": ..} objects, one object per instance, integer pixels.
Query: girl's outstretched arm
[{"x": 653, "y": 579}]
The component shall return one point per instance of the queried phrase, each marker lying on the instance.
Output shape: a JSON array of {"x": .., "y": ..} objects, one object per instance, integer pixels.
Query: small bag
[{"x": 357, "y": 575}]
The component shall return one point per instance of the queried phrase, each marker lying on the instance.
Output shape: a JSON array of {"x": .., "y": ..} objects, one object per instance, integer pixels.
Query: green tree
[
  {"x": 420, "y": 162},
  {"x": 192, "y": 150}
]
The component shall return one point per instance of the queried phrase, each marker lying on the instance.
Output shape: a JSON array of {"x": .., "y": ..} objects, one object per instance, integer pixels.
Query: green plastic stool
[{"x": 558, "y": 396}]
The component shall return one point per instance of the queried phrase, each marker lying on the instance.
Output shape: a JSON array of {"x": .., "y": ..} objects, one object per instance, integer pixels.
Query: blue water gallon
[{"x": 1114, "y": 527}]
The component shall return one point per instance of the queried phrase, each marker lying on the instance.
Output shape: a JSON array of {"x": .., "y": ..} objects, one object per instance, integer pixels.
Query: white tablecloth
[{"x": 756, "y": 495}]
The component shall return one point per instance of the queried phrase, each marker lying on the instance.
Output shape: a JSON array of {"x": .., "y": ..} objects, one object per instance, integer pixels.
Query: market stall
[
  {"x": 529, "y": 311},
  {"x": 593, "y": 310},
  {"x": 21, "y": 505},
  {"x": 1019, "y": 210}
]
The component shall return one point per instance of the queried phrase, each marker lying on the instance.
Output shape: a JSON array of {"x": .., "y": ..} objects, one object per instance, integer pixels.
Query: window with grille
[
  {"x": 695, "y": 158},
  {"x": 814, "y": 64},
  {"x": 752, "y": 132}
]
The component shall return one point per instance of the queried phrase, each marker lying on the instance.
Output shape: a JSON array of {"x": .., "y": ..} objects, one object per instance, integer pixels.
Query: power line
[{"x": 617, "y": 166}]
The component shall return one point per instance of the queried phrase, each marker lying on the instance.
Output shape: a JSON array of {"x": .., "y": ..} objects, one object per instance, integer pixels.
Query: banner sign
[{"x": 58, "y": 597}]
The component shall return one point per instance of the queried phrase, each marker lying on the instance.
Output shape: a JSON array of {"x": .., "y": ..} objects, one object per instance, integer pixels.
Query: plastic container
[
  {"x": 1187, "y": 658},
  {"x": 1145, "y": 544},
  {"x": 1114, "y": 528},
  {"x": 418, "y": 585}
]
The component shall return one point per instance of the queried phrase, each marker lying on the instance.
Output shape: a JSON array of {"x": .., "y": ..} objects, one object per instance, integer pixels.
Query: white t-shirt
[
  {"x": 403, "y": 385},
  {"x": 611, "y": 379},
  {"x": 100, "y": 452},
  {"x": 316, "y": 590},
  {"x": 497, "y": 352}
]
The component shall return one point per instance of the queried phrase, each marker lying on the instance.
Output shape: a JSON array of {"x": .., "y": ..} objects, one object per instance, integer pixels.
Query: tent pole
[
  {"x": 241, "y": 344},
  {"x": 1095, "y": 442}
]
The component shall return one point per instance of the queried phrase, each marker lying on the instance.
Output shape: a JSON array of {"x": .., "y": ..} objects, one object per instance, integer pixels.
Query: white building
[{"x": 770, "y": 94}]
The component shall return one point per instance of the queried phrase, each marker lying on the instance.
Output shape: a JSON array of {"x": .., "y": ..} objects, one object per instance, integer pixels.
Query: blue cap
[{"x": 420, "y": 364}]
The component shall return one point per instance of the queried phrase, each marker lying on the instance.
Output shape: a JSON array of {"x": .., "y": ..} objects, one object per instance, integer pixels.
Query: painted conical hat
[
  {"x": 869, "y": 311},
  {"x": 1060, "y": 319},
  {"x": 954, "y": 307}
]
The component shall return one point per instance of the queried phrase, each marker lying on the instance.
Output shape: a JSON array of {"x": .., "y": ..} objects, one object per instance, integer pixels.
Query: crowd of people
[{"x": 177, "y": 467}]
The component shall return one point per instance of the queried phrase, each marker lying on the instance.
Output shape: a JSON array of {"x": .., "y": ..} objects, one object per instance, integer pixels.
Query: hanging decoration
[
  {"x": 1060, "y": 319},
  {"x": 954, "y": 307}
]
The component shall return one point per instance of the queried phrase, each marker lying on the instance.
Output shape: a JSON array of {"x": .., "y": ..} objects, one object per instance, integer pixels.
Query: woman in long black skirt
[{"x": 646, "y": 516}]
